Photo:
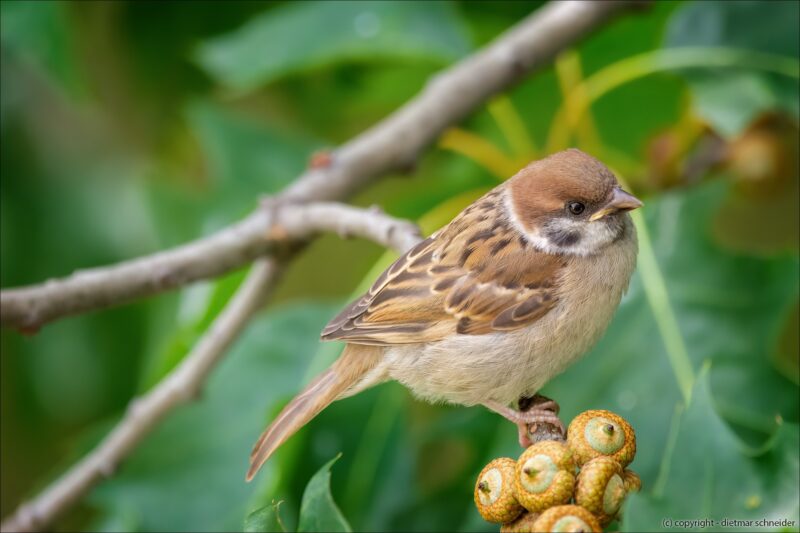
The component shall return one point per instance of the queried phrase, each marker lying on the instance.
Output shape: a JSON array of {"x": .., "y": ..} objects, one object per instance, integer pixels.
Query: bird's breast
[{"x": 502, "y": 366}]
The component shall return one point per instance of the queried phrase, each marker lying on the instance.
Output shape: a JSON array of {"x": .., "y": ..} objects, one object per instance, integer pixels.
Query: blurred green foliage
[
  {"x": 333, "y": 33},
  {"x": 128, "y": 127},
  {"x": 720, "y": 474},
  {"x": 731, "y": 98}
]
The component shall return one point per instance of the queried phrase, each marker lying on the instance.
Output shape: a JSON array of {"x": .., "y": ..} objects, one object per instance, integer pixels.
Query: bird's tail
[{"x": 354, "y": 363}]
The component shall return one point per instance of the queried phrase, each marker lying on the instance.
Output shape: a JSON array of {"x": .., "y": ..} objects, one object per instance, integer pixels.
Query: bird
[{"x": 485, "y": 311}]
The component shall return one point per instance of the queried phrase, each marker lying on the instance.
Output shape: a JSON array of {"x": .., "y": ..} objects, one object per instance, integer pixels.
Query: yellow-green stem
[
  {"x": 657, "y": 296},
  {"x": 511, "y": 124},
  {"x": 641, "y": 65}
]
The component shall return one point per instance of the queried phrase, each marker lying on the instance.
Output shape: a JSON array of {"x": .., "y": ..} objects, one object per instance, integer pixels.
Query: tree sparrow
[{"x": 490, "y": 307}]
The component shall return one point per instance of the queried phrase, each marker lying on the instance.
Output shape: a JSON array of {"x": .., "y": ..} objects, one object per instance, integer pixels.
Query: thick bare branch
[
  {"x": 395, "y": 143},
  {"x": 233, "y": 247}
]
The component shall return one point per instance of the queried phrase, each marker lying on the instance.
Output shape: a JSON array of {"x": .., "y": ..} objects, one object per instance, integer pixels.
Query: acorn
[
  {"x": 494, "y": 492},
  {"x": 633, "y": 483},
  {"x": 523, "y": 524},
  {"x": 601, "y": 488},
  {"x": 567, "y": 518},
  {"x": 544, "y": 476},
  {"x": 599, "y": 433}
]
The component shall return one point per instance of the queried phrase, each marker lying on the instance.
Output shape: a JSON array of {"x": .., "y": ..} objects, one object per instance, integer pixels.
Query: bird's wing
[{"x": 477, "y": 275}]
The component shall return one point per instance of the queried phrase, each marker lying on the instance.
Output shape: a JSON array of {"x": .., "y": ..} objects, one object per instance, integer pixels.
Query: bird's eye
[{"x": 576, "y": 208}]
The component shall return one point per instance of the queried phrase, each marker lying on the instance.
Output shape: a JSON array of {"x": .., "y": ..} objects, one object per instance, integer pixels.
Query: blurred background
[{"x": 129, "y": 127}]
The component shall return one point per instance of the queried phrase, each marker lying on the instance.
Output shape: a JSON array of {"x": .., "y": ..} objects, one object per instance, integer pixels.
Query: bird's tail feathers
[{"x": 354, "y": 362}]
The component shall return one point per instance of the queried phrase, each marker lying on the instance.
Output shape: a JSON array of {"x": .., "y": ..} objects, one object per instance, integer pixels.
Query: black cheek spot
[{"x": 564, "y": 238}]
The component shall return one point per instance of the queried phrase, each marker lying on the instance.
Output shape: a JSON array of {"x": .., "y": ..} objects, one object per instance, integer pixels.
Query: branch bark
[
  {"x": 230, "y": 248},
  {"x": 393, "y": 144}
]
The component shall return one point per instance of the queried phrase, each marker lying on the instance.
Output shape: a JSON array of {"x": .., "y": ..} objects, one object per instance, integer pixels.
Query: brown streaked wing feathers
[
  {"x": 356, "y": 308},
  {"x": 474, "y": 276}
]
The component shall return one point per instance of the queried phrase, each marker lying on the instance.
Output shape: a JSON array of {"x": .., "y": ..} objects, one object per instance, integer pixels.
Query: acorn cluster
[{"x": 577, "y": 485}]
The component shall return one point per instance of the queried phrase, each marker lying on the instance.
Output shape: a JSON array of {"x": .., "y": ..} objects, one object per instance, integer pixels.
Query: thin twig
[
  {"x": 394, "y": 143},
  {"x": 300, "y": 221}
]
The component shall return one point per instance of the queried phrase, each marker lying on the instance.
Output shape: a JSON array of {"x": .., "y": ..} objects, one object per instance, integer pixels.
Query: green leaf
[
  {"x": 319, "y": 512},
  {"x": 263, "y": 520},
  {"x": 710, "y": 474},
  {"x": 730, "y": 99},
  {"x": 246, "y": 156},
  {"x": 189, "y": 473},
  {"x": 306, "y": 35}
]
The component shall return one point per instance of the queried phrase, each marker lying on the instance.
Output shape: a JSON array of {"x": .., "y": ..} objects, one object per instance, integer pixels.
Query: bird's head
[{"x": 569, "y": 203}]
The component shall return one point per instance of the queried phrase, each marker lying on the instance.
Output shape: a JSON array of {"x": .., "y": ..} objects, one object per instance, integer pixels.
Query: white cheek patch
[
  {"x": 563, "y": 235},
  {"x": 589, "y": 237}
]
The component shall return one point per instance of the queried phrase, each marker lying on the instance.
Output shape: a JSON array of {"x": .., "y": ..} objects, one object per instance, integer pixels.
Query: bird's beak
[{"x": 620, "y": 201}]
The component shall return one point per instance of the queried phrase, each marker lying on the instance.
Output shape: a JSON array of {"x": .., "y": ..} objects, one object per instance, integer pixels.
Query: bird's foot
[
  {"x": 523, "y": 435},
  {"x": 538, "y": 401},
  {"x": 536, "y": 420}
]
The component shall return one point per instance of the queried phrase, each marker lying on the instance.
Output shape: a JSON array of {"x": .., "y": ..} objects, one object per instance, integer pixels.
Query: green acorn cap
[
  {"x": 544, "y": 476},
  {"x": 601, "y": 488},
  {"x": 523, "y": 524},
  {"x": 563, "y": 518},
  {"x": 494, "y": 492},
  {"x": 601, "y": 433}
]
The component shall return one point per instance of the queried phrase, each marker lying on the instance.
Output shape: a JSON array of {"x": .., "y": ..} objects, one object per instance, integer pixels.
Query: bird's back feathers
[{"x": 466, "y": 279}]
